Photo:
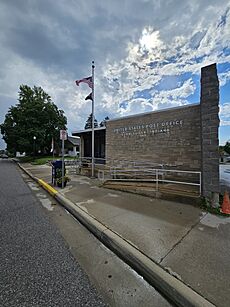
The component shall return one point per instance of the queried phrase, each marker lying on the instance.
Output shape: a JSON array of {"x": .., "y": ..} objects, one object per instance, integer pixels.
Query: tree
[
  {"x": 35, "y": 115},
  {"x": 103, "y": 123},
  {"x": 227, "y": 147},
  {"x": 88, "y": 124}
]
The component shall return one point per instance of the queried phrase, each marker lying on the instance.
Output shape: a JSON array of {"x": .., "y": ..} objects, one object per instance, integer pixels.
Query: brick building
[{"x": 184, "y": 137}]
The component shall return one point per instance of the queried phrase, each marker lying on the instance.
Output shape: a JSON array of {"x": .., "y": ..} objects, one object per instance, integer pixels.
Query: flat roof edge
[
  {"x": 89, "y": 130},
  {"x": 157, "y": 111}
]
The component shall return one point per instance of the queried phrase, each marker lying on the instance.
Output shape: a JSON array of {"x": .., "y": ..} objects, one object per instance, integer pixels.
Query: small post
[
  {"x": 34, "y": 145},
  {"x": 156, "y": 180}
]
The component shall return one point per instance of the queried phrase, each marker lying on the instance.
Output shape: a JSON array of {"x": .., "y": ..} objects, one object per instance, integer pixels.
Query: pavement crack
[{"x": 182, "y": 238}]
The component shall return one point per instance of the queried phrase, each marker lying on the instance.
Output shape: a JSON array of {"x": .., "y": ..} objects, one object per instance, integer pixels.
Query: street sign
[{"x": 63, "y": 135}]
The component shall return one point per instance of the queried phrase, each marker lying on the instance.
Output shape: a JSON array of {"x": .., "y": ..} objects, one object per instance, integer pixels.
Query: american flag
[
  {"x": 89, "y": 97},
  {"x": 88, "y": 80}
]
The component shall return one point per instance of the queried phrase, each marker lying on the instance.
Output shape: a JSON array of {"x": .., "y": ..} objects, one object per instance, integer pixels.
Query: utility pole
[
  {"x": 63, "y": 137},
  {"x": 93, "y": 118}
]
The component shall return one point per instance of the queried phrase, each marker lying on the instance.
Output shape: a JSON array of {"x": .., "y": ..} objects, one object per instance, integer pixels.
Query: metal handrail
[
  {"x": 141, "y": 168},
  {"x": 157, "y": 173}
]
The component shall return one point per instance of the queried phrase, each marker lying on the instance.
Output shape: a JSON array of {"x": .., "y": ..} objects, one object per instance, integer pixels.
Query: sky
[{"x": 148, "y": 54}]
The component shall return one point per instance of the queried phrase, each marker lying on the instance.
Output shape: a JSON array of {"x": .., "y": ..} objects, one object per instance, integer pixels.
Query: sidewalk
[{"x": 192, "y": 245}]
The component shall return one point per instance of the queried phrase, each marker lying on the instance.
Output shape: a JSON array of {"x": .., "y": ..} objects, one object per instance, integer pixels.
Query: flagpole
[{"x": 93, "y": 118}]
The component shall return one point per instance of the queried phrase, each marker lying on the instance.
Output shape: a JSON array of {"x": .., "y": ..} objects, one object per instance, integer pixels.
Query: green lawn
[{"x": 41, "y": 160}]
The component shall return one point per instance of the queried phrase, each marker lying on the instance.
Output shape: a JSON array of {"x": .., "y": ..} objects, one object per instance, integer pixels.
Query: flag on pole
[
  {"x": 89, "y": 97},
  {"x": 88, "y": 81}
]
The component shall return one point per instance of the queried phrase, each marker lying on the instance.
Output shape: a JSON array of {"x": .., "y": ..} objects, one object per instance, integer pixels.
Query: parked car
[{"x": 3, "y": 156}]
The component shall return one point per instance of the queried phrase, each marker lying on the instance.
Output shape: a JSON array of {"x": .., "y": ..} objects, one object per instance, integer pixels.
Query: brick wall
[{"x": 209, "y": 103}]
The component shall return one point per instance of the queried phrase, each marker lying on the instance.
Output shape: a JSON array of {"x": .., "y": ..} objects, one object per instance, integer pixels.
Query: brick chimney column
[{"x": 209, "y": 103}]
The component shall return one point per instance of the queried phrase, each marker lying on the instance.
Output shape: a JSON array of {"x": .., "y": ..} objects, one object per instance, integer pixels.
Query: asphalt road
[{"x": 36, "y": 266}]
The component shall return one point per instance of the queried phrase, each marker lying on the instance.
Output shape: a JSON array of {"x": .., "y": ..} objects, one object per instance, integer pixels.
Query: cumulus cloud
[
  {"x": 146, "y": 60},
  {"x": 225, "y": 115},
  {"x": 224, "y": 78},
  {"x": 153, "y": 56}
]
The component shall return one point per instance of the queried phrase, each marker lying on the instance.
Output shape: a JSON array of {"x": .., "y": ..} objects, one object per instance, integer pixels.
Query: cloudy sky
[{"x": 147, "y": 53}]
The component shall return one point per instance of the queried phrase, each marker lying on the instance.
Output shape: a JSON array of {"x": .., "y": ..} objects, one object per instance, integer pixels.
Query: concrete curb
[{"x": 172, "y": 288}]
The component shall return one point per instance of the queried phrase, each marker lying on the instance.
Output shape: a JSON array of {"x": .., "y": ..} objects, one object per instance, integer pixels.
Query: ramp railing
[{"x": 160, "y": 176}]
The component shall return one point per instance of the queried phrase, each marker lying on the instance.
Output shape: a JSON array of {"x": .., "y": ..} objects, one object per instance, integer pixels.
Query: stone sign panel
[
  {"x": 170, "y": 137},
  {"x": 147, "y": 129}
]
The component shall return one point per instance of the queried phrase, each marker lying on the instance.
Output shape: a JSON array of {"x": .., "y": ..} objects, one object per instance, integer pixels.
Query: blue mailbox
[{"x": 56, "y": 165}]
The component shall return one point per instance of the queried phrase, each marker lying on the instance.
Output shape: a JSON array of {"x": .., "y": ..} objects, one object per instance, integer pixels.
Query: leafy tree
[
  {"x": 103, "y": 123},
  {"x": 227, "y": 147},
  {"x": 88, "y": 124},
  {"x": 35, "y": 115}
]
